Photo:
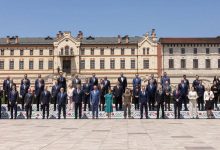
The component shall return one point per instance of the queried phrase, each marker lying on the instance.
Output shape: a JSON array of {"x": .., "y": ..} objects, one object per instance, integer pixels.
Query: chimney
[
  {"x": 16, "y": 40},
  {"x": 8, "y": 39},
  {"x": 126, "y": 39},
  {"x": 119, "y": 39},
  {"x": 58, "y": 36},
  {"x": 80, "y": 35},
  {"x": 153, "y": 35},
  {"x": 147, "y": 34}
]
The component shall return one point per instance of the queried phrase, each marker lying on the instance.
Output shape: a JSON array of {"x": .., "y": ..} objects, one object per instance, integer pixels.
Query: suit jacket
[
  {"x": 159, "y": 97},
  {"x": 74, "y": 82},
  {"x": 200, "y": 89},
  {"x": 117, "y": 91},
  {"x": 195, "y": 83},
  {"x": 123, "y": 83},
  {"x": 94, "y": 97},
  {"x": 143, "y": 97},
  {"x": 78, "y": 97},
  {"x": 136, "y": 82},
  {"x": 6, "y": 86},
  {"x": 151, "y": 89},
  {"x": 183, "y": 89},
  {"x": 176, "y": 96},
  {"x": 13, "y": 97},
  {"x": 61, "y": 100},
  {"x": 23, "y": 90},
  {"x": 86, "y": 88},
  {"x": 107, "y": 85},
  {"x": 164, "y": 79},
  {"x": 92, "y": 82},
  {"x": 28, "y": 83},
  {"x": 45, "y": 98},
  {"x": 55, "y": 90},
  {"x": 39, "y": 87},
  {"x": 62, "y": 82},
  {"x": 28, "y": 99}
]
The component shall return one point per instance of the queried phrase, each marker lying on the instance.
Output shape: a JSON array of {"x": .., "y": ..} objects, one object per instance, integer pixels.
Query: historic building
[
  {"x": 105, "y": 56},
  {"x": 191, "y": 56}
]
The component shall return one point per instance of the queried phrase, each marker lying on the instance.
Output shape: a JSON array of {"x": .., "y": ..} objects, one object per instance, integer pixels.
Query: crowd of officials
[{"x": 98, "y": 95}]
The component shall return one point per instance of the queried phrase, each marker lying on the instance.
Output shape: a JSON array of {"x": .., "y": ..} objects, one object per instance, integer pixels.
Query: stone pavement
[{"x": 114, "y": 134}]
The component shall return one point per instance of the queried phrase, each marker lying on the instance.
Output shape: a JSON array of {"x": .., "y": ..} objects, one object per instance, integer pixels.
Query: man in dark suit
[
  {"x": 13, "y": 98},
  {"x": 93, "y": 81},
  {"x": 143, "y": 100},
  {"x": 107, "y": 84},
  {"x": 200, "y": 91},
  {"x": 196, "y": 82},
  {"x": 7, "y": 89},
  {"x": 165, "y": 78},
  {"x": 86, "y": 91},
  {"x": 45, "y": 99},
  {"x": 28, "y": 99},
  {"x": 78, "y": 98},
  {"x": 1, "y": 96},
  {"x": 160, "y": 101},
  {"x": 152, "y": 80},
  {"x": 183, "y": 88},
  {"x": 28, "y": 83},
  {"x": 122, "y": 81},
  {"x": 94, "y": 101},
  {"x": 136, "y": 82},
  {"x": 117, "y": 94},
  {"x": 151, "y": 89},
  {"x": 136, "y": 93},
  {"x": 23, "y": 91},
  {"x": 62, "y": 81},
  {"x": 76, "y": 81},
  {"x": 54, "y": 92},
  {"x": 61, "y": 101},
  {"x": 39, "y": 88}
]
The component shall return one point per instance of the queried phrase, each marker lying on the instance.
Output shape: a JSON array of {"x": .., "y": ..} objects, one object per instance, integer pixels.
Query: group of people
[{"x": 98, "y": 95}]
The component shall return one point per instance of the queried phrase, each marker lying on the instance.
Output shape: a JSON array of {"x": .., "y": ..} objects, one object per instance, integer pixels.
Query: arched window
[{"x": 67, "y": 50}]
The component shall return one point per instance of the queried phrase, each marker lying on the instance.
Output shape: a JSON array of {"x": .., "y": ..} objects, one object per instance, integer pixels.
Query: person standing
[
  {"x": 117, "y": 95},
  {"x": 78, "y": 99},
  {"x": 6, "y": 90},
  {"x": 62, "y": 81},
  {"x": 28, "y": 83},
  {"x": 183, "y": 88},
  {"x": 151, "y": 90},
  {"x": 61, "y": 102},
  {"x": 200, "y": 89},
  {"x": 13, "y": 98},
  {"x": 143, "y": 100},
  {"x": 76, "y": 81},
  {"x": 86, "y": 91},
  {"x": 93, "y": 81},
  {"x": 126, "y": 99},
  {"x": 214, "y": 89},
  {"x": 196, "y": 82},
  {"x": 160, "y": 101},
  {"x": 101, "y": 88},
  {"x": 136, "y": 98},
  {"x": 39, "y": 87},
  {"x": 122, "y": 81},
  {"x": 177, "y": 102},
  {"x": 208, "y": 97},
  {"x": 45, "y": 99},
  {"x": 23, "y": 91},
  {"x": 54, "y": 92},
  {"x": 193, "y": 103},
  {"x": 108, "y": 103},
  {"x": 167, "y": 92},
  {"x": 1, "y": 96},
  {"x": 94, "y": 101},
  {"x": 136, "y": 81},
  {"x": 28, "y": 99},
  {"x": 165, "y": 78},
  {"x": 70, "y": 96}
]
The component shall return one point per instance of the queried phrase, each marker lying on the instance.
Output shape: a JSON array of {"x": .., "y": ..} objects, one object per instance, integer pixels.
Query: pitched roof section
[
  {"x": 190, "y": 40},
  {"x": 30, "y": 41}
]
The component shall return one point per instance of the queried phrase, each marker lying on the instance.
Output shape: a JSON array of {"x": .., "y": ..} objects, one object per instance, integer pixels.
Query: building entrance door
[{"x": 67, "y": 66}]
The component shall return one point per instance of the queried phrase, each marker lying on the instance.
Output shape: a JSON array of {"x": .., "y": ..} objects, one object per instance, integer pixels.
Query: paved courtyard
[{"x": 115, "y": 134}]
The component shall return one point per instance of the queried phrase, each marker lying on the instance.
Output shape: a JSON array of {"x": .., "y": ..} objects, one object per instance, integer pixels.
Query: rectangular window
[
  {"x": 183, "y": 63},
  {"x": 183, "y": 51},
  {"x": 92, "y": 64},
  {"x": 122, "y": 51},
  {"x": 146, "y": 64},
  {"x": 1, "y": 65},
  {"x": 112, "y": 64},
  {"x": 41, "y": 64},
  {"x": 50, "y": 52},
  {"x": 102, "y": 51},
  {"x": 148, "y": 51},
  {"x": 171, "y": 51},
  {"x": 218, "y": 50},
  {"x": 195, "y": 64},
  {"x": 41, "y": 52},
  {"x": 92, "y": 51},
  {"x": 132, "y": 51},
  {"x": 82, "y": 51},
  {"x": 207, "y": 63},
  {"x": 31, "y": 64},
  {"x": 207, "y": 50},
  {"x": 132, "y": 64},
  {"x": 11, "y": 64},
  {"x": 195, "y": 51},
  {"x": 21, "y": 64},
  {"x": 50, "y": 64},
  {"x": 102, "y": 64},
  {"x": 11, "y": 52},
  {"x": 21, "y": 52},
  {"x": 31, "y": 52},
  {"x": 82, "y": 64},
  {"x": 144, "y": 51},
  {"x": 2, "y": 52},
  {"x": 122, "y": 64},
  {"x": 219, "y": 63},
  {"x": 171, "y": 63},
  {"x": 112, "y": 51}
]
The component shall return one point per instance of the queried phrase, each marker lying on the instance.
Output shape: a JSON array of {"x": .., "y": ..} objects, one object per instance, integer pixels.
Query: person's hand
[{"x": 177, "y": 100}]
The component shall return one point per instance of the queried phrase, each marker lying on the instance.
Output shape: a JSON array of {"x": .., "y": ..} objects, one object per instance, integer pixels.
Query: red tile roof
[{"x": 210, "y": 40}]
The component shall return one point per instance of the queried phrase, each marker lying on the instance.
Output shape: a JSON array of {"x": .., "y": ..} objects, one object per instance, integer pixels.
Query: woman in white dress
[
  {"x": 192, "y": 95},
  {"x": 69, "y": 96},
  {"x": 208, "y": 98}
]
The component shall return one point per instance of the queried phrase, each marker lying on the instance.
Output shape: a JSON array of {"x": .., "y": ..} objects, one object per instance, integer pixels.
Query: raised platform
[{"x": 102, "y": 114}]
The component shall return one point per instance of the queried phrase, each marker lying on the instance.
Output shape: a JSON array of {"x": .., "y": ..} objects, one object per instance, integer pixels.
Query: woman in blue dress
[{"x": 108, "y": 103}]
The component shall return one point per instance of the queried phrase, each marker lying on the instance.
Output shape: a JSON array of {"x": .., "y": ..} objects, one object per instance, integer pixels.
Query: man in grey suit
[
  {"x": 76, "y": 81},
  {"x": 94, "y": 101}
]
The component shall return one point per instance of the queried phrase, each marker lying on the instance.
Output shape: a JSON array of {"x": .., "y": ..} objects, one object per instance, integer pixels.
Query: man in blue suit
[
  {"x": 151, "y": 89},
  {"x": 54, "y": 93},
  {"x": 23, "y": 91},
  {"x": 61, "y": 101},
  {"x": 94, "y": 101},
  {"x": 13, "y": 98},
  {"x": 165, "y": 78},
  {"x": 136, "y": 82},
  {"x": 86, "y": 91},
  {"x": 93, "y": 81},
  {"x": 45, "y": 98},
  {"x": 78, "y": 98},
  {"x": 39, "y": 87},
  {"x": 183, "y": 88},
  {"x": 143, "y": 100}
]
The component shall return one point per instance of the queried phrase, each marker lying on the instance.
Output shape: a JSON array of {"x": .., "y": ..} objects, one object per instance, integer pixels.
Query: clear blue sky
[{"x": 170, "y": 18}]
